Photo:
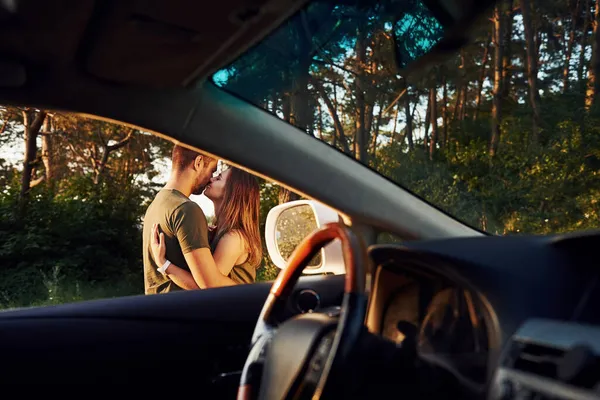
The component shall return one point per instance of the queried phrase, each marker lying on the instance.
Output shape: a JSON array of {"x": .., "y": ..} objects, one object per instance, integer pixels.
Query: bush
[{"x": 91, "y": 239}]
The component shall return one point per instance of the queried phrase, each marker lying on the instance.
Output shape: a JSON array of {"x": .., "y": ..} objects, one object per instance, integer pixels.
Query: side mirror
[{"x": 287, "y": 224}]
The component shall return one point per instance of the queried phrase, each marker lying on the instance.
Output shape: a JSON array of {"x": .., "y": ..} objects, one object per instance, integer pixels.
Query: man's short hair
[{"x": 182, "y": 157}]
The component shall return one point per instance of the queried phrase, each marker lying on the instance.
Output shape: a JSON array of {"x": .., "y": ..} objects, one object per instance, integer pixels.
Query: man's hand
[
  {"x": 181, "y": 277},
  {"x": 157, "y": 243}
]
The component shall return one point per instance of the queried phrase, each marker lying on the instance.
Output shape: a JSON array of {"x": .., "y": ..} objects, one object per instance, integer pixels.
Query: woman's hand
[{"x": 157, "y": 243}]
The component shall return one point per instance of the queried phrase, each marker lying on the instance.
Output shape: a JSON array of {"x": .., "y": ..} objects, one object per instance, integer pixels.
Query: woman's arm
[{"x": 230, "y": 249}]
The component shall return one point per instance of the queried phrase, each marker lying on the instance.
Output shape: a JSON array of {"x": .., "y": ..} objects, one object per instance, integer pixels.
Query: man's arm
[
  {"x": 229, "y": 249},
  {"x": 197, "y": 263},
  {"x": 204, "y": 270},
  {"x": 190, "y": 227},
  {"x": 181, "y": 278}
]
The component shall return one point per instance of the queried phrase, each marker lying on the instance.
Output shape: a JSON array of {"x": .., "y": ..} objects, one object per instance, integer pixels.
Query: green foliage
[
  {"x": 552, "y": 187},
  {"x": 93, "y": 238},
  {"x": 268, "y": 199}
]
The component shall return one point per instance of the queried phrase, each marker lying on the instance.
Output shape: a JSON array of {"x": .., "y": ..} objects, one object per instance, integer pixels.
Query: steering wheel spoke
[{"x": 252, "y": 370}]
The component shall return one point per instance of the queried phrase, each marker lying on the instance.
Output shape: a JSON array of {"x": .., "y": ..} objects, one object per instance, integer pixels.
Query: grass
[{"x": 61, "y": 290}]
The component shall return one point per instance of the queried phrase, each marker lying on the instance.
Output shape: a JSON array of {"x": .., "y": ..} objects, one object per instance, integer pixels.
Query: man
[{"x": 184, "y": 226}]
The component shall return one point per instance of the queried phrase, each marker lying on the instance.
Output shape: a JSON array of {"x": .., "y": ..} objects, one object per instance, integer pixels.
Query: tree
[
  {"x": 593, "y": 83},
  {"x": 575, "y": 16},
  {"x": 32, "y": 123},
  {"x": 460, "y": 140},
  {"x": 107, "y": 149},
  {"x": 498, "y": 81},
  {"x": 532, "y": 70},
  {"x": 433, "y": 118}
]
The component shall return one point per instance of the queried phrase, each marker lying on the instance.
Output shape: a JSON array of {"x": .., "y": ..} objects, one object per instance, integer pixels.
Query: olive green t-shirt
[{"x": 185, "y": 228}]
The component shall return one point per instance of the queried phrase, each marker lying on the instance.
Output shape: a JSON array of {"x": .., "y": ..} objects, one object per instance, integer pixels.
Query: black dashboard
[{"x": 467, "y": 303}]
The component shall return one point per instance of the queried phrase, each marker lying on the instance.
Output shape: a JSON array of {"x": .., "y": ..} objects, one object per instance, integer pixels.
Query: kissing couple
[{"x": 180, "y": 249}]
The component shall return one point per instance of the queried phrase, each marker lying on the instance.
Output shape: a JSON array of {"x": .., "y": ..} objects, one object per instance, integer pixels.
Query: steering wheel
[{"x": 304, "y": 356}]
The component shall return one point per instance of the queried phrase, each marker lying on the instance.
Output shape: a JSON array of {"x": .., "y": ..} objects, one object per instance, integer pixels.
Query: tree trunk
[
  {"x": 482, "y": 74},
  {"x": 333, "y": 112},
  {"x": 463, "y": 103},
  {"x": 300, "y": 107},
  {"x": 507, "y": 52},
  {"x": 408, "y": 116},
  {"x": 354, "y": 144},
  {"x": 497, "y": 95},
  {"x": 582, "y": 83},
  {"x": 339, "y": 129},
  {"x": 465, "y": 84},
  {"x": 369, "y": 117},
  {"x": 582, "y": 46},
  {"x": 48, "y": 153},
  {"x": 361, "y": 139},
  {"x": 375, "y": 135},
  {"x": 395, "y": 128},
  {"x": 444, "y": 137},
  {"x": 320, "y": 122},
  {"x": 457, "y": 104},
  {"x": 286, "y": 195},
  {"x": 32, "y": 123},
  {"x": 531, "y": 69},
  {"x": 570, "y": 43},
  {"x": 107, "y": 149},
  {"x": 434, "y": 127},
  {"x": 592, "y": 83},
  {"x": 427, "y": 123}
]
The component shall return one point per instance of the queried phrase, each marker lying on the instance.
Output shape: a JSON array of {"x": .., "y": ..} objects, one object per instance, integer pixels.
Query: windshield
[{"x": 501, "y": 135}]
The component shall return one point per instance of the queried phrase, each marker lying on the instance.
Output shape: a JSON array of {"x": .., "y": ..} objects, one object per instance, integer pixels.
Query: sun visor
[{"x": 172, "y": 43}]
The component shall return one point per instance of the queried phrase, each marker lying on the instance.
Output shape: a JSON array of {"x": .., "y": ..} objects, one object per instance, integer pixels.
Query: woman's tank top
[{"x": 241, "y": 273}]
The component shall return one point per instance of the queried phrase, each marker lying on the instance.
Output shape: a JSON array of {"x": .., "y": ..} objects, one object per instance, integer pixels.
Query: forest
[{"x": 504, "y": 135}]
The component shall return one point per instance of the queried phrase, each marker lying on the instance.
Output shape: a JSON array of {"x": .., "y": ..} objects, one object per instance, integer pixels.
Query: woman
[{"x": 235, "y": 238}]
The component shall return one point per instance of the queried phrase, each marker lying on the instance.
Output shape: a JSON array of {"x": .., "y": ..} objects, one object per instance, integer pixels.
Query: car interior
[{"x": 450, "y": 312}]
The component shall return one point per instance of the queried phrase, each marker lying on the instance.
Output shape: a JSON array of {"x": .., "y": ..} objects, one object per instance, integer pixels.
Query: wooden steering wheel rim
[{"x": 355, "y": 260}]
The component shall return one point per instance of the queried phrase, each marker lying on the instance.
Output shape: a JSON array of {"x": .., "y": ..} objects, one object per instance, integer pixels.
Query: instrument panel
[
  {"x": 443, "y": 318},
  {"x": 523, "y": 308}
]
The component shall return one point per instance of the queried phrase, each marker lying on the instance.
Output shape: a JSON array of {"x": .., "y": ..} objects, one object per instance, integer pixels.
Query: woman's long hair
[{"x": 240, "y": 211}]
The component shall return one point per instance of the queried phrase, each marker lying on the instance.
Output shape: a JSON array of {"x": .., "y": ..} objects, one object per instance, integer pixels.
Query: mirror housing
[
  {"x": 444, "y": 25},
  {"x": 331, "y": 257}
]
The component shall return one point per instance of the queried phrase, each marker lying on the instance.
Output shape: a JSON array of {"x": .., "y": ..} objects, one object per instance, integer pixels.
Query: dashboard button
[{"x": 307, "y": 300}]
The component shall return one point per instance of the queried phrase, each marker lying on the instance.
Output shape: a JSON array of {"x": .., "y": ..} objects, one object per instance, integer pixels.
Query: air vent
[
  {"x": 539, "y": 360},
  {"x": 577, "y": 366}
]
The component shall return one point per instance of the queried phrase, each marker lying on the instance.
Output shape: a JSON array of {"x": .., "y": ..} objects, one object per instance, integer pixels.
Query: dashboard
[{"x": 468, "y": 303}]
